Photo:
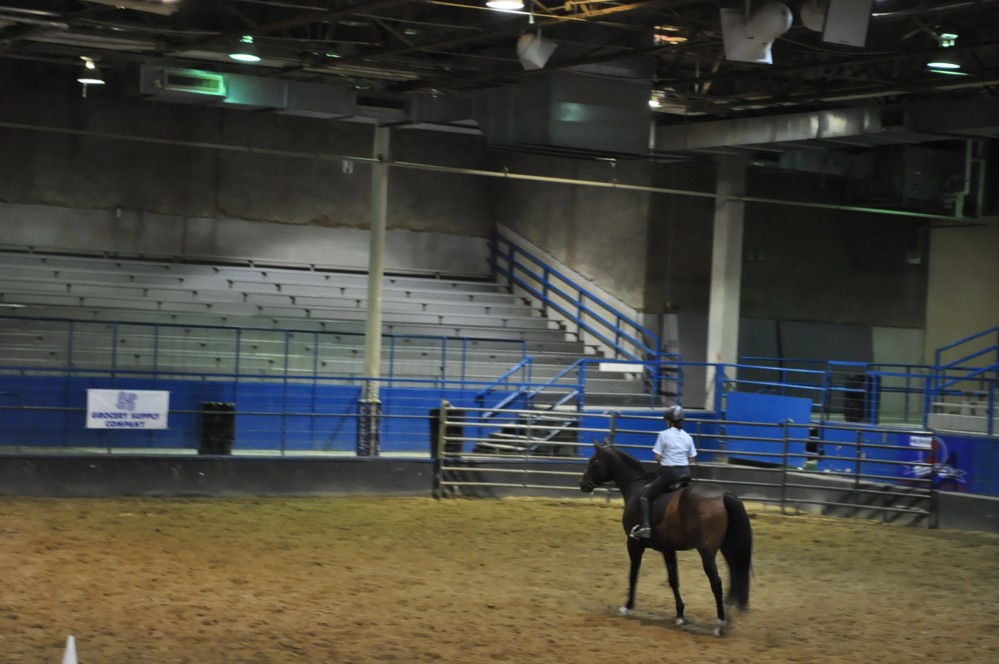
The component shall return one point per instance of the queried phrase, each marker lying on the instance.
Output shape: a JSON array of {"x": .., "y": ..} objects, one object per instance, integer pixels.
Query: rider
[{"x": 674, "y": 451}]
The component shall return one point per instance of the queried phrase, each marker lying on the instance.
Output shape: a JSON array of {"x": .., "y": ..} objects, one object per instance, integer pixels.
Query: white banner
[{"x": 127, "y": 409}]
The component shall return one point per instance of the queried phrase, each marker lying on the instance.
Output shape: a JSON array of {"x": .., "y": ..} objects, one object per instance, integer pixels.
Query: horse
[{"x": 697, "y": 516}]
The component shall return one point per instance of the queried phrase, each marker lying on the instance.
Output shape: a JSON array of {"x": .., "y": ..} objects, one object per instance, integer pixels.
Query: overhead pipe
[{"x": 504, "y": 174}]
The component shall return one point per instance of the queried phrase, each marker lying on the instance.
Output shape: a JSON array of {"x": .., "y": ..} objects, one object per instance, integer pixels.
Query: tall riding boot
[{"x": 642, "y": 530}]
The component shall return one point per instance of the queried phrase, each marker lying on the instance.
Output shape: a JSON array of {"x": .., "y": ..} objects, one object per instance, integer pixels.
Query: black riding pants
[{"x": 667, "y": 475}]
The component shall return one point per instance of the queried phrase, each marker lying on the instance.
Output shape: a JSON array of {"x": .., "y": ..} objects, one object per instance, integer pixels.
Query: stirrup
[{"x": 637, "y": 532}]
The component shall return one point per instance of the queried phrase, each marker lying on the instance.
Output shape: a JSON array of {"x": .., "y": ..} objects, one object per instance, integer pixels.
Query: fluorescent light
[
  {"x": 505, "y": 5},
  {"x": 943, "y": 64}
]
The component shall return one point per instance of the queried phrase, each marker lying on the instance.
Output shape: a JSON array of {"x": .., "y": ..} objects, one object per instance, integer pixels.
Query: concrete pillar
[
  {"x": 726, "y": 270},
  {"x": 369, "y": 415}
]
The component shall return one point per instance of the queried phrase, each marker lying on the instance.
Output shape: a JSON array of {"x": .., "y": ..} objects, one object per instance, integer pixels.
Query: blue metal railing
[
  {"x": 973, "y": 375},
  {"x": 906, "y": 393},
  {"x": 582, "y": 309},
  {"x": 124, "y": 347},
  {"x": 587, "y": 315}
]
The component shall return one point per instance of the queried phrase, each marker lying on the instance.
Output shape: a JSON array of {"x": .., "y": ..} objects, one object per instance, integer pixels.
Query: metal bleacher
[{"x": 94, "y": 313}]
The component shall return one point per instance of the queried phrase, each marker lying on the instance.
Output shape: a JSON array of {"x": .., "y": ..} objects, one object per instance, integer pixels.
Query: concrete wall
[
  {"x": 137, "y": 232},
  {"x": 963, "y": 297},
  {"x": 800, "y": 264},
  {"x": 173, "y": 177},
  {"x": 599, "y": 233}
]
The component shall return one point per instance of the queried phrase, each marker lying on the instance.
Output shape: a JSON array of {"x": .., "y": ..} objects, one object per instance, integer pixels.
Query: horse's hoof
[
  {"x": 625, "y": 611},
  {"x": 720, "y": 629},
  {"x": 681, "y": 621}
]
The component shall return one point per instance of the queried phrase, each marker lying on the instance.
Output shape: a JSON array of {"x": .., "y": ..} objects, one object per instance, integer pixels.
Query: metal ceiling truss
[{"x": 431, "y": 61}]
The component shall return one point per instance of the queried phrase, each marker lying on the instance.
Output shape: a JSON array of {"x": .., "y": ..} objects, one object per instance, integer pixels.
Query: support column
[
  {"x": 726, "y": 270},
  {"x": 369, "y": 408}
]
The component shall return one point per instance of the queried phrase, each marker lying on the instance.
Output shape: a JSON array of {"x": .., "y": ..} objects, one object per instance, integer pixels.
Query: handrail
[
  {"x": 941, "y": 380},
  {"x": 623, "y": 328},
  {"x": 554, "y": 379},
  {"x": 525, "y": 363},
  {"x": 971, "y": 375},
  {"x": 582, "y": 324},
  {"x": 961, "y": 342},
  {"x": 501, "y": 406},
  {"x": 956, "y": 364}
]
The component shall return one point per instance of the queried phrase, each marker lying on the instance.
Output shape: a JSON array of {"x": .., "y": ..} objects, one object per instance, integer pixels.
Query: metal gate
[{"x": 831, "y": 468}]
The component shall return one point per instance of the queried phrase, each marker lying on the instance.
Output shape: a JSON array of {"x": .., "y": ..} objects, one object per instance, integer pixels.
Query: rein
[{"x": 589, "y": 485}]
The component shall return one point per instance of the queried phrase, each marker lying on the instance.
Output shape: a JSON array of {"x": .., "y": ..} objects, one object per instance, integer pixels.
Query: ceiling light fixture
[
  {"x": 947, "y": 39},
  {"x": 667, "y": 34},
  {"x": 90, "y": 74},
  {"x": 749, "y": 37},
  {"x": 245, "y": 50},
  {"x": 505, "y": 5},
  {"x": 946, "y": 64}
]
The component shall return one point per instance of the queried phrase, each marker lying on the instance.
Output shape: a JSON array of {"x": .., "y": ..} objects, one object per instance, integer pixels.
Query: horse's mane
[{"x": 628, "y": 460}]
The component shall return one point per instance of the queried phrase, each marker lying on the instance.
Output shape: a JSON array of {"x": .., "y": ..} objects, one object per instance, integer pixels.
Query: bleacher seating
[{"x": 174, "y": 316}]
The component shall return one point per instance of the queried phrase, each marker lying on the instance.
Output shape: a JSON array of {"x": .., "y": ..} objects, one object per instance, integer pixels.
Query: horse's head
[{"x": 597, "y": 470}]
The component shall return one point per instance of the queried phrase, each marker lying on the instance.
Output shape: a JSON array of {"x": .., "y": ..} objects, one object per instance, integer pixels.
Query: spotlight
[
  {"x": 245, "y": 50},
  {"x": 750, "y": 38},
  {"x": 90, "y": 74},
  {"x": 840, "y": 21},
  {"x": 533, "y": 51}
]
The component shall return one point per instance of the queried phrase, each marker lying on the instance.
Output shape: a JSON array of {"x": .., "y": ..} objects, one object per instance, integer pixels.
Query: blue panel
[
  {"x": 768, "y": 409},
  {"x": 984, "y": 455},
  {"x": 949, "y": 461}
]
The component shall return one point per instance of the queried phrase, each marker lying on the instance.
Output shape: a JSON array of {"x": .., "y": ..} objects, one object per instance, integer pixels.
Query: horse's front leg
[
  {"x": 711, "y": 569},
  {"x": 636, "y": 549},
  {"x": 673, "y": 574}
]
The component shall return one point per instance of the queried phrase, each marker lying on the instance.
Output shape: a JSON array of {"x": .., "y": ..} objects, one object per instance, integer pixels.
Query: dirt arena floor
[{"x": 416, "y": 580}]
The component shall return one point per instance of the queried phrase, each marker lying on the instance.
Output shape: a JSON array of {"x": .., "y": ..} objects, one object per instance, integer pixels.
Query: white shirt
[{"x": 674, "y": 447}]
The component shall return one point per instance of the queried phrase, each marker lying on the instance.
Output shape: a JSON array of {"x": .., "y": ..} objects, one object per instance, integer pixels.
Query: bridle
[{"x": 586, "y": 483}]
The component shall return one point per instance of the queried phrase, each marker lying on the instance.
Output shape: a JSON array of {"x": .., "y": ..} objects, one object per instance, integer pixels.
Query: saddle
[{"x": 658, "y": 507}]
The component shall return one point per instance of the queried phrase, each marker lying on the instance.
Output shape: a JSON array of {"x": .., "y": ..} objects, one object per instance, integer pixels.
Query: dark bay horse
[{"x": 699, "y": 516}]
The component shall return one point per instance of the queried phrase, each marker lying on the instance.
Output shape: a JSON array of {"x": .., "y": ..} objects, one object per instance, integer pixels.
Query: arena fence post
[{"x": 369, "y": 413}]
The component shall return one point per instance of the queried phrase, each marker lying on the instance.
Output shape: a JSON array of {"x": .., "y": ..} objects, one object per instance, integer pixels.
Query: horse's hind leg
[
  {"x": 711, "y": 569},
  {"x": 672, "y": 572},
  {"x": 635, "y": 551}
]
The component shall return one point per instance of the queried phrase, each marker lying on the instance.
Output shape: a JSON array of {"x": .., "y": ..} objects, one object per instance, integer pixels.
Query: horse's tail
[{"x": 737, "y": 547}]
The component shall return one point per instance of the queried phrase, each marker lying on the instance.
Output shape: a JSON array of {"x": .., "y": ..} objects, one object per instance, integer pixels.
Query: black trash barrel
[
  {"x": 854, "y": 398},
  {"x": 218, "y": 428}
]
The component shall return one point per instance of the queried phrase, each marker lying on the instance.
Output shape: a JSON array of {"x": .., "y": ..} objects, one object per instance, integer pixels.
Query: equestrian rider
[{"x": 674, "y": 451}]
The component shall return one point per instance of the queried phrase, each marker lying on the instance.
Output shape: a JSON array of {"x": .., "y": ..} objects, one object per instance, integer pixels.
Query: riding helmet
[{"x": 674, "y": 413}]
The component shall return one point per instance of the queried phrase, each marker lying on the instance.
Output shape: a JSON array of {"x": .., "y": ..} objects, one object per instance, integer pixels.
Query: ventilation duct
[
  {"x": 240, "y": 92},
  {"x": 565, "y": 112},
  {"x": 912, "y": 176},
  {"x": 315, "y": 100}
]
